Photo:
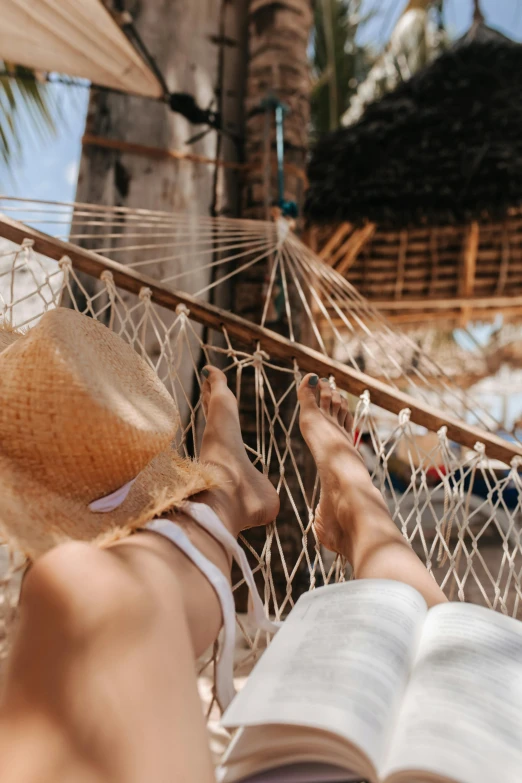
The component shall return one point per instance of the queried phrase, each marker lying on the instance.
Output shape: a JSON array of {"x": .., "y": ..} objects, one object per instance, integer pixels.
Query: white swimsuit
[{"x": 206, "y": 518}]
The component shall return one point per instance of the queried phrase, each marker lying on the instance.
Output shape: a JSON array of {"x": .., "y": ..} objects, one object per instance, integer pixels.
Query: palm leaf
[
  {"x": 338, "y": 62},
  {"x": 27, "y": 106}
]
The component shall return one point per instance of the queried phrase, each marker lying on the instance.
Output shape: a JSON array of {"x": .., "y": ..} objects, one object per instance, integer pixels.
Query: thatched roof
[{"x": 444, "y": 147}]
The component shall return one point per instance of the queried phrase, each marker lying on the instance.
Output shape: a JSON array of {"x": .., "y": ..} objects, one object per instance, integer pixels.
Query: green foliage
[
  {"x": 26, "y": 108},
  {"x": 338, "y": 62}
]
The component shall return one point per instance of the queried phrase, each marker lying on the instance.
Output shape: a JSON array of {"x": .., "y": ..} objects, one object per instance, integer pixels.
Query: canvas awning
[{"x": 77, "y": 38}]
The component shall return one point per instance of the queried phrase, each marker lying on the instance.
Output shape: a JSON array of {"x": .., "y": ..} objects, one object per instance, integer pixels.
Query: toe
[
  {"x": 343, "y": 412},
  {"x": 325, "y": 396},
  {"x": 212, "y": 380},
  {"x": 336, "y": 403},
  {"x": 214, "y": 377},
  {"x": 348, "y": 424},
  {"x": 205, "y": 391},
  {"x": 307, "y": 391}
]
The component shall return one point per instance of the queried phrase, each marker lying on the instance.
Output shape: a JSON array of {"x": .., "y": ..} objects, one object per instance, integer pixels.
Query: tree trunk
[
  {"x": 279, "y": 34},
  {"x": 199, "y": 46}
]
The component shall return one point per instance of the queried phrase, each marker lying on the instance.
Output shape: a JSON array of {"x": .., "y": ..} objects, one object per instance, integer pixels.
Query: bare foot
[
  {"x": 346, "y": 486},
  {"x": 246, "y": 497}
]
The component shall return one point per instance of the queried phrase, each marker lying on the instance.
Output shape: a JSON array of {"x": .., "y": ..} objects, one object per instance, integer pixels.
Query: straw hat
[{"x": 83, "y": 417}]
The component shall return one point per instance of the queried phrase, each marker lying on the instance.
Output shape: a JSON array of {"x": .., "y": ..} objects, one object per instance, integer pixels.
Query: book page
[
  {"x": 340, "y": 663},
  {"x": 304, "y": 773},
  {"x": 462, "y": 714}
]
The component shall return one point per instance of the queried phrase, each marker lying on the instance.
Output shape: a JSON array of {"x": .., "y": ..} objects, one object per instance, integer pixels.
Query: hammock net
[{"x": 452, "y": 489}]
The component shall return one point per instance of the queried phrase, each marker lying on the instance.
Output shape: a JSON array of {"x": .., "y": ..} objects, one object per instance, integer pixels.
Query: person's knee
[{"x": 83, "y": 589}]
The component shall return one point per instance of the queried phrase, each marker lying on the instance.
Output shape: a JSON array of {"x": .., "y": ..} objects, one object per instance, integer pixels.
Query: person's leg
[
  {"x": 101, "y": 682},
  {"x": 352, "y": 517}
]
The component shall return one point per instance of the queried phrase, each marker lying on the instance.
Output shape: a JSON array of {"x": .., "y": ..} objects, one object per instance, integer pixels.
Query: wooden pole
[
  {"x": 352, "y": 247},
  {"x": 497, "y": 302},
  {"x": 159, "y": 153},
  {"x": 403, "y": 249},
  {"x": 450, "y": 316},
  {"x": 469, "y": 260},
  {"x": 276, "y": 345},
  {"x": 428, "y": 319},
  {"x": 334, "y": 240}
]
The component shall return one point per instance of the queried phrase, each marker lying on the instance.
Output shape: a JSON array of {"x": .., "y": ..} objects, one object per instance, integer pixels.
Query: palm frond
[
  {"x": 338, "y": 61},
  {"x": 27, "y": 108}
]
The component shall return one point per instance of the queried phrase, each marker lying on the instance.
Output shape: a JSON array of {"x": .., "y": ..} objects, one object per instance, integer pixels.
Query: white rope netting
[
  {"x": 459, "y": 510},
  {"x": 207, "y": 257}
]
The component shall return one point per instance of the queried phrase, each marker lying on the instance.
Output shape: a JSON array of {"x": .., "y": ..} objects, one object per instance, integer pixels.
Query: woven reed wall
[{"x": 423, "y": 265}]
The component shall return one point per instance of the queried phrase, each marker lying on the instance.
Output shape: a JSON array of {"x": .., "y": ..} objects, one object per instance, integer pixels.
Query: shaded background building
[{"x": 418, "y": 204}]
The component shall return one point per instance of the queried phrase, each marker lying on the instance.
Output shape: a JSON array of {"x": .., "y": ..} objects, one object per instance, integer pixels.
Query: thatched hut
[{"x": 419, "y": 204}]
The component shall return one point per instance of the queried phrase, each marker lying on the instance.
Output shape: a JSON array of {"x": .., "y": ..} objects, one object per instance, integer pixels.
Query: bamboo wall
[{"x": 427, "y": 274}]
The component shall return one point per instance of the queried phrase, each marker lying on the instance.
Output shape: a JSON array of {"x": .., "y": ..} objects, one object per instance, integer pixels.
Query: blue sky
[
  {"x": 48, "y": 169},
  {"x": 505, "y": 15}
]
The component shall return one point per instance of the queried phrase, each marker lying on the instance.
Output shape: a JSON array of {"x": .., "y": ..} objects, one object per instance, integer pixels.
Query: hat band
[{"x": 112, "y": 501}]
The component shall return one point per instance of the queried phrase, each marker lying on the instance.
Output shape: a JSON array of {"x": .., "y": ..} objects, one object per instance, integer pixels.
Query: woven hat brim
[{"x": 33, "y": 519}]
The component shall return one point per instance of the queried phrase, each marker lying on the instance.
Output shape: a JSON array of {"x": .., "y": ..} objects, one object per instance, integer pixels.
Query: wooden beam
[
  {"x": 427, "y": 319},
  {"x": 345, "y": 249},
  {"x": 453, "y": 317},
  {"x": 469, "y": 258},
  {"x": 401, "y": 263},
  {"x": 158, "y": 153},
  {"x": 504, "y": 260},
  {"x": 277, "y": 346},
  {"x": 334, "y": 240},
  {"x": 434, "y": 257},
  {"x": 467, "y": 280},
  {"x": 356, "y": 243},
  {"x": 448, "y": 304}
]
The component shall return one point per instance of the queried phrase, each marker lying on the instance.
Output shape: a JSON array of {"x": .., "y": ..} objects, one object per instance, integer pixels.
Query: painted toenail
[
  {"x": 205, "y": 373},
  {"x": 313, "y": 380}
]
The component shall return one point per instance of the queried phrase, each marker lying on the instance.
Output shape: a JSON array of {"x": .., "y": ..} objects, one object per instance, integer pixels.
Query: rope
[
  {"x": 128, "y": 27},
  {"x": 453, "y": 507}
]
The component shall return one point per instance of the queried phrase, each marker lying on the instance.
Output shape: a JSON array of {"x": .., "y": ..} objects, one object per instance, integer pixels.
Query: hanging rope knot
[
  {"x": 108, "y": 278},
  {"x": 259, "y": 357},
  {"x": 283, "y": 228},
  {"x": 182, "y": 309},
  {"x": 298, "y": 375},
  {"x": 27, "y": 242},
  {"x": 65, "y": 263},
  {"x": 365, "y": 399},
  {"x": 145, "y": 294},
  {"x": 480, "y": 448},
  {"x": 443, "y": 437},
  {"x": 404, "y": 417},
  {"x": 516, "y": 462}
]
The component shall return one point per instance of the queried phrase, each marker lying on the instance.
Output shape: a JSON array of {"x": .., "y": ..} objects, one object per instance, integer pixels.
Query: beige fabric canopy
[{"x": 73, "y": 37}]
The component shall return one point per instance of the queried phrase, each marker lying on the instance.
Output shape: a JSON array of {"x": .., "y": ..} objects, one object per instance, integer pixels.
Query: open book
[{"x": 364, "y": 683}]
